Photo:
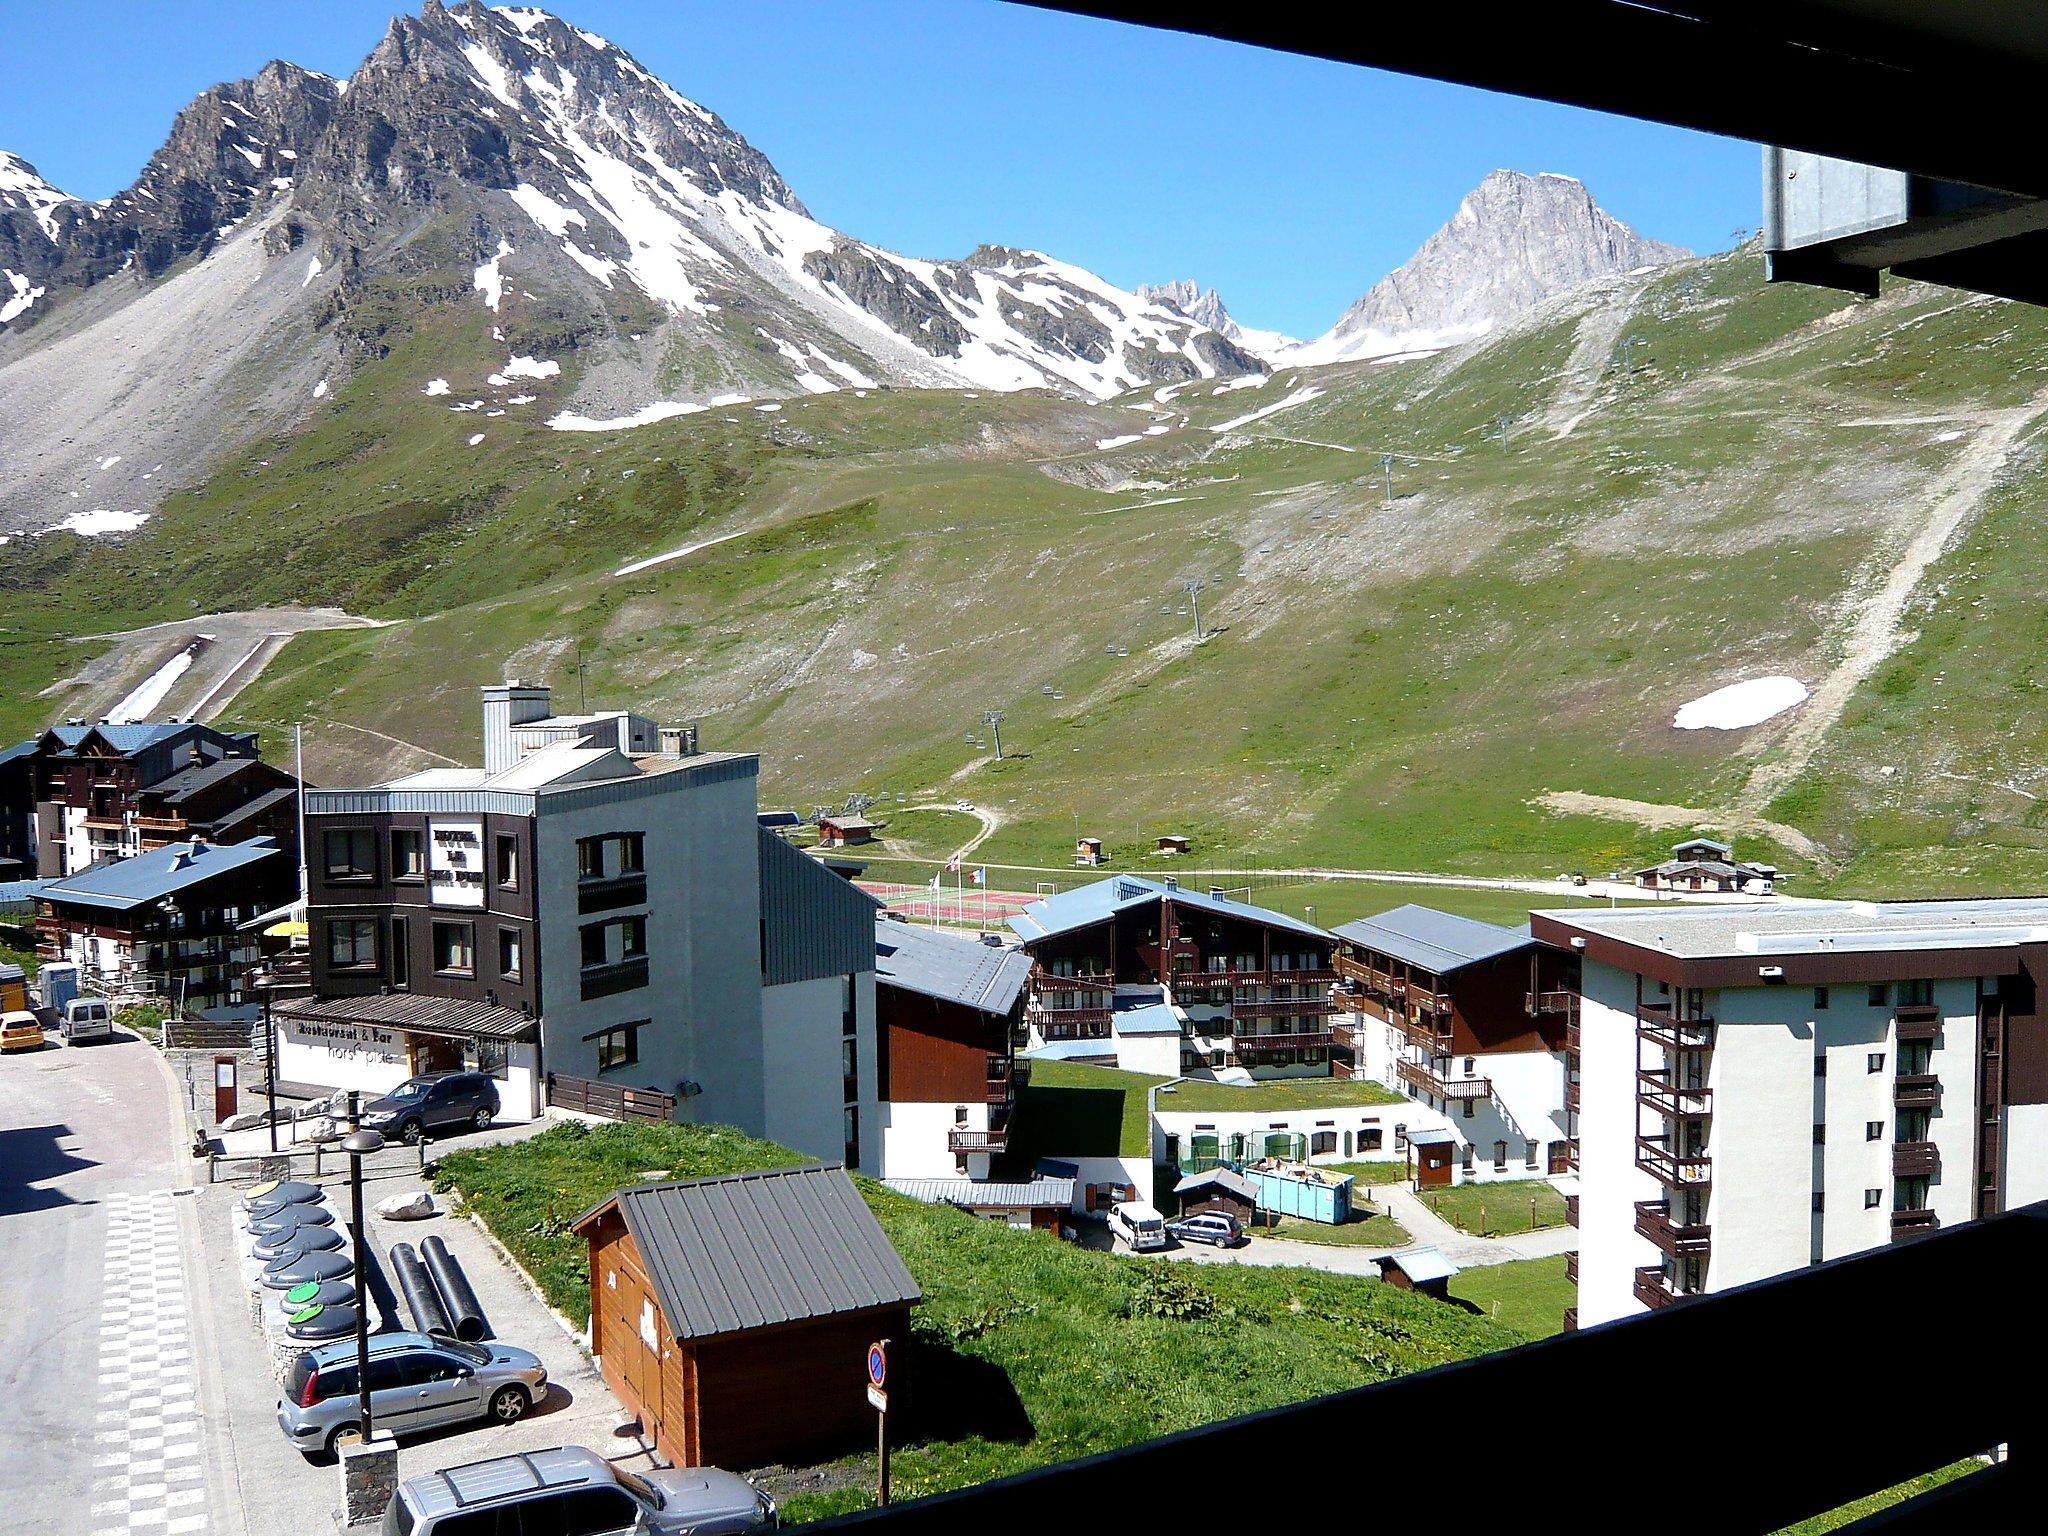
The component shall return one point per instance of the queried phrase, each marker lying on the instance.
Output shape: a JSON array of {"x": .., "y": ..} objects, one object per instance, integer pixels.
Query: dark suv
[{"x": 443, "y": 1101}]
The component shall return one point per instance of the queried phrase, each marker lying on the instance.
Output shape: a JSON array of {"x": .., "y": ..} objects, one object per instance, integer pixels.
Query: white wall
[
  {"x": 2026, "y": 1154},
  {"x": 374, "y": 1061},
  {"x": 1255, "y": 1124},
  {"x": 1761, "y": 1138},
  {"x": 1609, "y": 1181},
  {"x": 1154, "y": 1055},
  {"x": 914, "y": 1137}
]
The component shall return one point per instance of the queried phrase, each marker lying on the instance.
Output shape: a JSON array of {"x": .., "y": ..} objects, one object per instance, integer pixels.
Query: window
[
  {"x": 494, "y": 1059},
  {"x": 617, "y": 1047},
  {"x": 408, "y": 862},
  {"x": 455, "y": 949},
  {"x": 633, "y": 854},
  {"x": 1871, "y": 1198},
  {"x": 1820, "y": 1135},
  {"x": 1529, "y": 1155},
  {"x": 634, "y": 930},
  {"x": 1321, "y": 1143},
  {"x": 1820, "y": 1202},
  {"x": 1916, "y": 993},
  {"x": 352, "y": 943},
  {"x": 850, "y": 1135},
  {"x": 351, "y": 854},
  {"x": 1500, "y": 1157},
  {"x": 1820, "y": 1066},
  {"x": 1468, "y": 1066},
  {"x": 508, "y": 953},
  {"x": 1820, "y": 998},
  {"x": 508, "y": 862},
  {"x": 1879, "y": 992},
  {"x": 1467, "y": 1159},
  {"x": 1873, "y": 1130},
  {"x": 401, "y": 952},
  {"x": 1471, "y": 1108},
  {"x": 593, "y": 944},
  {"x": 590, "y": 858},
  {"x": 1874, "y": 1062},
  {"x": 1369, "y": 1139}
]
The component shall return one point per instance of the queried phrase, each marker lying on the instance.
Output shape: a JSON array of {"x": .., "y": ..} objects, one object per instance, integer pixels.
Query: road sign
[
  {"x": 878, "y": 1364},
  {"x": 879, "y": 1399}
]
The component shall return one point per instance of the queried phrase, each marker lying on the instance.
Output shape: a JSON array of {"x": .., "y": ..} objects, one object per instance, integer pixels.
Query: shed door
[{"x": 1435, "y": 1166}]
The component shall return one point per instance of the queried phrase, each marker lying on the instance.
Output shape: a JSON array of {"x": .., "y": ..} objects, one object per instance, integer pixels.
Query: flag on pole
[
  {"x": 952, "y": 866},
  {"x": 935, "y": 882},
  {"x": 981, "y": 877}
]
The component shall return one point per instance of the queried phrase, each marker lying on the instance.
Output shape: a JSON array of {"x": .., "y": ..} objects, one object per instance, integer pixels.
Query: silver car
[
  {"x": 575, "y": 1492},
  {"x": 416, "y": 1382}
]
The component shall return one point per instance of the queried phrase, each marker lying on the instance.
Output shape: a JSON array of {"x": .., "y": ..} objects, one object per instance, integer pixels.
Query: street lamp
[{"x": 358, "y": 1144}]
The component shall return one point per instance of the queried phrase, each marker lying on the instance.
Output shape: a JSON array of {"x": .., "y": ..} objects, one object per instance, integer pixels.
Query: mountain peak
[{"x": 1515, "y": 242}]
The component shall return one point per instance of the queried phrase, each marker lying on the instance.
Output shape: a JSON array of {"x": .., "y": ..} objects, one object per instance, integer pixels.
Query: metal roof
[
  {"x": 127, "y": 883},
  {"x": 1149, "y": 1019},
  {"x": 1741, "y": 930},
  {"x": 953, "y": 970},
  {"x": 19, "y": 750},
  {"x": 970, "y": 1194},
  {"x": 455, "y": 1016},
  {"x": 813, "y": 923},
  {"x": 1102, "y": 899},
  {"x": 19, "y": 895},
  {"x": 1439, "y": 942},
  {"x": 1420, "y": 1264},
  {"x": 1219, "y": 1178},
  {"x": 1429, "y": 1136},
  {"x": 751, "y": 1250}
]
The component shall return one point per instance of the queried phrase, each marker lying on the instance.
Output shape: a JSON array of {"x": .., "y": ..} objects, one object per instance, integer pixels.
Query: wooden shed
[
  {"x": 1175, "y": 843},
  {"x": 1088, "y": 851},
  {"x": 1418, "y": 1269},
  {"x": 847, "y": 831},
  {"x": 1218, "y": 1189},
  {"x": 733, "y": 1314}
]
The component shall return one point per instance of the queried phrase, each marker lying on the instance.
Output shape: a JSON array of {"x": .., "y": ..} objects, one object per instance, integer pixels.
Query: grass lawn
[
  {"x": 1835, "y": 1519},
  {"x": 1040, "y": 1351},
  {"x": 1291, "y": 1093},
  {"x": 1360, "y": 1232},
  {"x": 1497, "y": 1210},
  {"x": 1529, "y": 1295},
  {"x": 1070, "y": 1110},
  {"x": 1375, "y": 1171}
]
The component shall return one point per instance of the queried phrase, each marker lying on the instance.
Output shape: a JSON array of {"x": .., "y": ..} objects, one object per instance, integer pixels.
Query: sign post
[{"x": 878, "y": 1394}]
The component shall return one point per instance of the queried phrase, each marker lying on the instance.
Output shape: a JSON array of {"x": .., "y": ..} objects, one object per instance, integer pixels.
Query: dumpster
[{"x": 1297, "y": 1189}]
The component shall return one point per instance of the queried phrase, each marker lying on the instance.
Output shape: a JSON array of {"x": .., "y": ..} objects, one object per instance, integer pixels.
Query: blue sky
[{"x": 931, "y": 125}]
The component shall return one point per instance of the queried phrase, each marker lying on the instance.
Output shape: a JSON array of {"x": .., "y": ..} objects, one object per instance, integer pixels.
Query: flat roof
[{"x": 1745, "y": 929}]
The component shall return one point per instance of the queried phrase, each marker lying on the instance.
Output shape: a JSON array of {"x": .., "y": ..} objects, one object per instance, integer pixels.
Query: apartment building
[
  {"x": 948, "y": 1011},
  {"x": 596, "y": 904},
  {"x": 1160, "y": 979},
  {"x": 1767, "y": 1086},
  {"x": 1471, "y": 1020},
  {"x": 114, "y": 791}
]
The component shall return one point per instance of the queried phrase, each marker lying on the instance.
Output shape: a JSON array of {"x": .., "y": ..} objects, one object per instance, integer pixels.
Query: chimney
[
  {"x": 505, "y": 705},
  {"x": 679, "y": 741}
]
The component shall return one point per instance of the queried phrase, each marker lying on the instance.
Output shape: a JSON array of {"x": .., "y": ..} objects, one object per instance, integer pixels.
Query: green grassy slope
[{"x": 1386, "y": 686}]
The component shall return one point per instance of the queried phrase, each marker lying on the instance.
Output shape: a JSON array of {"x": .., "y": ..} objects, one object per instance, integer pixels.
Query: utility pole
[
  {"x": 1193, "y": 587},
  {"x": 1387, "y": 471},
  {"x": 994, "y": 721}
]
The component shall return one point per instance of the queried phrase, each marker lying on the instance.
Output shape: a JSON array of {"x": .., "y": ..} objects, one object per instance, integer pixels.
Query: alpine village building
[
  {"x": 596, "y": 918},
  {"x": 1155, "y": 978},
  {"x": 1474, "y": 1021},
  {"x": 1768, "y": 1086}
]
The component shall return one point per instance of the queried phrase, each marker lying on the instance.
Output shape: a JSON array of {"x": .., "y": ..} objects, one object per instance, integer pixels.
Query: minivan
[
  {"x": 87, "y": 1018},
  {"x": 1140, "y": 1226}
]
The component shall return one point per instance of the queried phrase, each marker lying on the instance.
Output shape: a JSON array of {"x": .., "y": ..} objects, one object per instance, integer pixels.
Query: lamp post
[{"x": 358, "y": 1144}]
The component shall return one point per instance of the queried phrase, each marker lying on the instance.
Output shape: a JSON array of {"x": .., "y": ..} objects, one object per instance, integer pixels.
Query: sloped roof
[
  {"x": 1147, "y": 1019},
  {"x": 751, "y": 1250},
  {"x": 967, "y": 1194},
  {"x": 814, "y": 924},
  {"x": 454, "y": 1016},
  {"x": 1102, "y": 899},
  {"x": 953, "y": 970},
  {"x": 1227, "y": 1179},
  {"x": 1439, "y": 942},
  {"x": 122, "y": 738},
  {"x": 128, "y": 883},
  {"x": 1421, "y": 1264}
]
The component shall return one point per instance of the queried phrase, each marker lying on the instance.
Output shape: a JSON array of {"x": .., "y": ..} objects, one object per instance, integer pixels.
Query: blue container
[{"x": 1304, "y": 1194}]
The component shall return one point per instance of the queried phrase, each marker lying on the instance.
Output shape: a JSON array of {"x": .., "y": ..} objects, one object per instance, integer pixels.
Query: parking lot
[{"x": 279, "y": 1489}]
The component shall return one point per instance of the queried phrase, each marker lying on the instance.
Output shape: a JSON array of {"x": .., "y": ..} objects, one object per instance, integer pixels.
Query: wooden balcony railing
[
  {"x": 1298, "y": 1040},
  {"x": 1916, "y": 1021},
  {"x": 1315, "y": 976},
  {"x": 1657, "y": 1026},
  {"x": 1653, "y": 1221},
  {"x": 1043, "y": 980},
  {"x": 1672, "y": 1169},
  {"x": 1571, "y": 1319},
  {"x": 1553, "y": 1001},
  {"x": 1916, "y": 1090},
  {"x": 1656, "y": 1093},
  {"x": 1915, "y": 1160},
  {"x": 1425, "y": 1035},
  {"x": 1430, "y": 1080},
  {"x": 959, "y": 1139},
  {"x": 1913, "y": 1223},
  {"x": 1282, "y": 1007},
  {"x": 1651, "y": 1288},
  {"x": 1571, "y": 1267},
  {"x": 1571, "y": 1210}
]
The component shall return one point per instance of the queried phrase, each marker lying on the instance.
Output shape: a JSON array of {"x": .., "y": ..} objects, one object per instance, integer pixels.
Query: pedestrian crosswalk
[{"x": 148, "y": 1474}]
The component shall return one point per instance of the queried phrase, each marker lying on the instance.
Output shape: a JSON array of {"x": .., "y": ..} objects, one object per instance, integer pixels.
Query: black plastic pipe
[
  {"x": 421, "y": 1297},
  {"x": 465, "y": 1313}
]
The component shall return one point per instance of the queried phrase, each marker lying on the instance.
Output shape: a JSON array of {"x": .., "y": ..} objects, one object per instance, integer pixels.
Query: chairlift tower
[
  {"x": 1387, "y": 473},
  {"x": 1194, "y": 588},
  {"x": 994, "y": 721}
]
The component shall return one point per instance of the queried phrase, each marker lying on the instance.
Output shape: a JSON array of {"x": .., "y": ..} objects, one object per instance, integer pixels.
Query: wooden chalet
[
  {"x": 733, "y": 1314},
  {"x": 847, "y": 831}
]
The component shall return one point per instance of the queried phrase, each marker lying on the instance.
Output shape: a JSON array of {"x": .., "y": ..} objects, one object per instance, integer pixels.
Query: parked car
[
  {"x": 1218, "y": 1228},
  {"x": 416, "y": 1382},
  {"x": 574, "y": 1492},
  {"x": 441, "y": 1101},
  {"x": 20, "y": 1031},
  {"x": 1138, "y": 1224},
  {"x": 87, "y": 1018}
]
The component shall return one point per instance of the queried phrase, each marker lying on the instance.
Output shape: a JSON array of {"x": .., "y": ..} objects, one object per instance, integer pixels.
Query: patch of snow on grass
[
  {"x": 531, "y": 368},
  {"x": 490, "y": 281},
  {"x": 99, "y": 522},
  {"x": 320, "y": 390},
  {"x": 1104, "y": 444},
  {"x": 436, "y": 387},
  {"x": 475, "y": 438},
  {"x": 1299, "y": 397},
  {"x": 143, "y": 699},
  {"x": 1740, "y": 705}
]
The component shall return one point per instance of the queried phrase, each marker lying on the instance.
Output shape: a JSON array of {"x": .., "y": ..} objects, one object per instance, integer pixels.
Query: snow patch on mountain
[{"x": 22, "y": 188}]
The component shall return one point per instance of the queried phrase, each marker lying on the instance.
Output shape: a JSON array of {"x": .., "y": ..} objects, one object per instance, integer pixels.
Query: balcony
[
  {"x": 1913, "y": 1223},
  {"x": 1557, "y": 1001},
  {"x": 1916, "y": 1021},
  {"x": 1571, "y": 1096},
  {"x": 1074, "y": 1023},
  {"x": 1571, "y": 1210},
  {"x": 1043, "y": 980},
  {"x": 1655, "y": 1092},
  {"x": 1283, "y": 1007},
  {"x": 1653, "y": 1221},
  {"x": 1315, "y": 976},
  {"x": 1299, "y": 1040},
  {"x": 994, "y": 1139},
  {"x": 1571, "y": 1266},
  {"x": 1915, "y": 1160},
  {"x": 1672, "y": 1169},
  {"x": 594, "y": 895},
  {"x": 1426, "y": 1077},
  {"x": 1651, "y": 1288},
  {"x": 1916, "y": 1090},
  {"x": 1571, "y": 1319},
  {"x": 1657, "y": 1026},
  {"x": 610, "y": 980}
]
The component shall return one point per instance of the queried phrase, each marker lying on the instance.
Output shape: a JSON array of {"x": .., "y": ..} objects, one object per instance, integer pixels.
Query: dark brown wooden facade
[{"x": 790, "y": 1393}]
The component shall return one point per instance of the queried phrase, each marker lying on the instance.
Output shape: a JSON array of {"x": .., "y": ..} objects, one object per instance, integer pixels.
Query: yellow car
[{"x": 20, "y": 1032}]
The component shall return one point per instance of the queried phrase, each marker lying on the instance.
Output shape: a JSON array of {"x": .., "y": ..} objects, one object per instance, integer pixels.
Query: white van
[
  {"x": 1138, "y": 1224},
  {"x": 87, "y": 1018}
]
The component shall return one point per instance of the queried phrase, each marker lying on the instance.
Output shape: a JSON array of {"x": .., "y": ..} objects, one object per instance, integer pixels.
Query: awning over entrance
[{"x": 448, "y": 1016}]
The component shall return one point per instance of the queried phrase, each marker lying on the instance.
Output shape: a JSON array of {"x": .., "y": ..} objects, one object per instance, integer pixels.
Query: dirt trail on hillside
[
  {"x": 1878, "y": 629},
  {"x": 1600, "y": 329},
  {"x": 1648, "y": 813}
]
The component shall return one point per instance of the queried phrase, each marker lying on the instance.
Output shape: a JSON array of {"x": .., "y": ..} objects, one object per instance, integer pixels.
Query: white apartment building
[{"x": 1764, "y": 1087}]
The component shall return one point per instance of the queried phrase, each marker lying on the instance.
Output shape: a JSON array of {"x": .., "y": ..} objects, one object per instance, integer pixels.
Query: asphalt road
[{"x": 107, "y": 1409}]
